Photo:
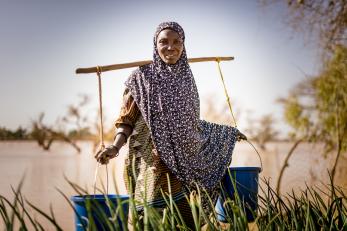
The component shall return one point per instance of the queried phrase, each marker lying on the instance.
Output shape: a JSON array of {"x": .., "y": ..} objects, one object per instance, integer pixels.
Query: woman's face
[{"x": 170, "y": 46}]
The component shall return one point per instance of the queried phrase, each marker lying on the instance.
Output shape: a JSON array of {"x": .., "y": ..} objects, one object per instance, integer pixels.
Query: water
[{"x": 44, "y": 171}]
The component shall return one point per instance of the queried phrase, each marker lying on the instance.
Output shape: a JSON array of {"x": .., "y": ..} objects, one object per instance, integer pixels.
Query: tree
[
  {"x": 262, "y": 130},
  {"x": 316, "y": 108},
  {"x": 83, "y": 126},
  {"x": 19, "y": 134},
  {"x": 214, "y": 113},
  {"x": 325, "y": 19},
  {"x": 45, "y": 135},
  {"x": 77, "y": 118}
]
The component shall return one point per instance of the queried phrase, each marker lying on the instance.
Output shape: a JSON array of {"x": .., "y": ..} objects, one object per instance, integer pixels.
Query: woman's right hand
[
  {"x": 104, "y": 155},
  {"x": 240, "y": 136}
]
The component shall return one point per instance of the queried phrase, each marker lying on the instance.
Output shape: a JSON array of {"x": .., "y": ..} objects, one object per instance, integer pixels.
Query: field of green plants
[{"x": 314, "y": 208}]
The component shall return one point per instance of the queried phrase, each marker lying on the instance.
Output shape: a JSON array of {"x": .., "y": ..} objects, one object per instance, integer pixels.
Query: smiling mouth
[{"x": 170, "y": 56}]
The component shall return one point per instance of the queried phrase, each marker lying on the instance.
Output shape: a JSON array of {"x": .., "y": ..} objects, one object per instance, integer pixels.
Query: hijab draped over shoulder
[{"x": 196, "y": 151}]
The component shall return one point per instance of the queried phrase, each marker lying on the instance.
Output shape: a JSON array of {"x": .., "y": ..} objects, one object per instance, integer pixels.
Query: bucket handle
[{"x": 261, "y": 162}]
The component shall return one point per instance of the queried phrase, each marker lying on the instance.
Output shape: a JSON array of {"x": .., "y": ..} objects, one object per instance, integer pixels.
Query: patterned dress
[
  {"x": 170, "y": 144},
  {"x": 145, "y": 174}
]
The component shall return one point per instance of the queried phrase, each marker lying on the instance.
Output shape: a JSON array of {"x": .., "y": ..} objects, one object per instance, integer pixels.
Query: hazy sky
[{"x": 43, "y": 42}]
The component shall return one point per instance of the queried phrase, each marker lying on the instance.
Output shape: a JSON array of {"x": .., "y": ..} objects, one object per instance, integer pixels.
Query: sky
[{"x": 42, "y": 42}]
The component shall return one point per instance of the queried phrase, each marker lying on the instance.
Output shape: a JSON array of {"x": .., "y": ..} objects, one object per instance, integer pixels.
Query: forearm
[
  {"x": 123, "y": 132},
  {"x": 104, "y": 155}
]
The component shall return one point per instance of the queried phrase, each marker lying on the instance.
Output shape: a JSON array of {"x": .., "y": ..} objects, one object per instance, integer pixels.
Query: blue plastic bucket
[
  {"x": 102, "y": 213},
  {"x": 246, "y": 181}
]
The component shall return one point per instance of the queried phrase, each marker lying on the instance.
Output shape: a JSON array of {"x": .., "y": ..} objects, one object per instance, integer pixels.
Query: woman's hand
[
  {"x": 240, "y": 136},
  {"x": 103, "y": 156}
]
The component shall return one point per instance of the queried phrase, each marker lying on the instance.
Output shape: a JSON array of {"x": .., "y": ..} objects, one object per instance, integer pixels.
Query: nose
[{"x": 170, "y": 46}]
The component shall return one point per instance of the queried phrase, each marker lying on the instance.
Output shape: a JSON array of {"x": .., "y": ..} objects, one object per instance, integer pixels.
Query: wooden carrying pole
[{"x": 141, "y": 63}]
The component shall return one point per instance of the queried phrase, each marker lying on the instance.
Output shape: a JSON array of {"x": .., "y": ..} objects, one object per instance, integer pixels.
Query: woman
[{"x": 161, "y": 114}]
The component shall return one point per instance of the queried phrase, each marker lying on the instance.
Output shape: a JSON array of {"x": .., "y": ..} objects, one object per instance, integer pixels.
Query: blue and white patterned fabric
[{"x": 196, "y": 151}]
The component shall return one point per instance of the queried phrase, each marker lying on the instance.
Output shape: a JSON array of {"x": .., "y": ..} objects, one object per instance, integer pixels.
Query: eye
[
  {"x": 178, "y": 42},
  {"x": 163, "y": 41}
]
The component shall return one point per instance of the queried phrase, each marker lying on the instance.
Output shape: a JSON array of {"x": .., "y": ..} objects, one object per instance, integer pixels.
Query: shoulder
[
  {"x": 144, "y": 69},
  {"x": 135, "y": 74},
  {"x": 140, "y": 73}
]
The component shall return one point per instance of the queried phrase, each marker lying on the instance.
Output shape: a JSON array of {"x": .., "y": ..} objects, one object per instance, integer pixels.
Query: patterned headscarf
[{"x": 196, "y": 151}]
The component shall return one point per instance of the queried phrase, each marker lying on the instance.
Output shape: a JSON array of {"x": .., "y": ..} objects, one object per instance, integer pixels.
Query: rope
[
  {"x": 225, "y": 91},
  {"x": 231, "y": 110},
  {"x": 95, "y": 176},
  {"x": 102, "y": 145}
]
